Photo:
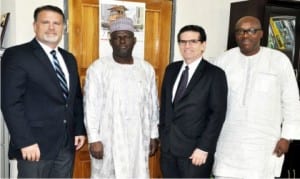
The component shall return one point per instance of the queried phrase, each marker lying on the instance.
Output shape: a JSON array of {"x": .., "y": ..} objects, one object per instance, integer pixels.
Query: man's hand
[
  {"x": 198, "y": 157},
  {"x": 79, "y": 141},
  {"x": 282, "y": 147},
  {"x": 153, "y": 146},
  {"x": 31, "y": 153},
  {"x": 96, "y": 149}
]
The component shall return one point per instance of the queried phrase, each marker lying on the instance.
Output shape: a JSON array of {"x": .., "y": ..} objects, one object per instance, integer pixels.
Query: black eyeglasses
[
  {"x": 190, "y": 42},
  {"x": 251, "y": 31}
]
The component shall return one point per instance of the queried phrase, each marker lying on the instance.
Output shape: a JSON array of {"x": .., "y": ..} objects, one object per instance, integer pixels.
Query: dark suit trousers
[
  {"x": 60, "y": 167},
  {"x": 182, "y": 167}
]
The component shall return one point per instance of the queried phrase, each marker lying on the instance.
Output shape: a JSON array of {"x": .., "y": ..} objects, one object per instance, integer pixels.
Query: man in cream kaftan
[
  {"x": 263, "y": 109},
  {"x": 121, "y": 109},
  {"x": 124, "y": 116}
]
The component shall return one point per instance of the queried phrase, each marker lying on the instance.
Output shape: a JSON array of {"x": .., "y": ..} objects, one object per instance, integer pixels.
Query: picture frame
[
  {"x": 3, "y": 25},
  {"x": 110, "y": 11}
]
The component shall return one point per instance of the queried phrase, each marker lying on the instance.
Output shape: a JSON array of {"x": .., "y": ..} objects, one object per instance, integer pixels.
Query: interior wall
[{"x": 212, "y": 15}]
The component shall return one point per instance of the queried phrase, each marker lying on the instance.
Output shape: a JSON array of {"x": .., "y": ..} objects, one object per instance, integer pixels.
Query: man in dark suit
[
  {"x": 190, "y": 122},
  {"x": 41, "y": 100}
]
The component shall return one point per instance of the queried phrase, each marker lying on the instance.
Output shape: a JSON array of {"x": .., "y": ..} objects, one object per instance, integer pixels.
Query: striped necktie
[{"x": 60, "y": 75}]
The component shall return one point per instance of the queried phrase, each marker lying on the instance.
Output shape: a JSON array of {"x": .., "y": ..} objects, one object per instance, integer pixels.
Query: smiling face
[
  {"x": 49, "y": 27},
  {"x": 190, "y": 46},
  {"x": 248, "y": 35}
]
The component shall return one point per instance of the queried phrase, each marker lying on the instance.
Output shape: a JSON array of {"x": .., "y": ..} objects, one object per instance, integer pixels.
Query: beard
[{"x": 51, "y": 38}]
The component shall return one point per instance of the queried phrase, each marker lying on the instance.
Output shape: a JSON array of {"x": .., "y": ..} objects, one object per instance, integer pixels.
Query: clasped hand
[
  {"x": 281, "y": 147},
  {"x": 96, "y": 149},
  {"x": 31, "y": 153},
  {"x": 198, "y": 157}
]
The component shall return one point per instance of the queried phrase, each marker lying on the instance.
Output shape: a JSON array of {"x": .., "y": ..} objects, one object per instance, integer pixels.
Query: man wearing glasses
[
  {"x": 263, "y": 107},
  {"x": 193, "y": 106}
]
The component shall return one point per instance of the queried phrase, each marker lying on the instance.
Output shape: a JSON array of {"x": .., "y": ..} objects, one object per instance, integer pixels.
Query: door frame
[{"x": 173, "y": 33}]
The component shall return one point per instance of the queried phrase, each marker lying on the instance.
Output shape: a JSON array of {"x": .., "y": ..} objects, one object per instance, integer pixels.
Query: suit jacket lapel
[
  {"x": 43, "y": 58},
  {"x": 173, "y": 75},
  {"x": 196, "y": 77}
]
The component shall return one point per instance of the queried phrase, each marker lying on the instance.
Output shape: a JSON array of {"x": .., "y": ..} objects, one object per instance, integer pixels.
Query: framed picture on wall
[
  {"x": 110, "y": 11},
  {"x": 3, "y": 25}
]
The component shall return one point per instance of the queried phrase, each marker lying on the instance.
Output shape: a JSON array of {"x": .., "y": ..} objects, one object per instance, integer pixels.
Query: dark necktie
[
  {"x": 60, "y": 75},
  {"x": 182, "y": 84}
]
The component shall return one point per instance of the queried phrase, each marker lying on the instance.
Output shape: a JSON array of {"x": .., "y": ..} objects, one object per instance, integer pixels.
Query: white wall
[
  {"x": 212, "y": 15},
  {"x": 20, "y": 29}
]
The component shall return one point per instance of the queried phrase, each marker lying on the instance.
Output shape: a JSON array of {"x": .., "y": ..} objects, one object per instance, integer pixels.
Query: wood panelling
[
  {"x": 84, "y": 33},
  {"x": 84, "y": 44}
]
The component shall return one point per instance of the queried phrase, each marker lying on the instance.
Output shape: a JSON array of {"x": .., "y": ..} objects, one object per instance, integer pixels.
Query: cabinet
[
  {"x": 282, "y": 31},
  {"x": 291, "y": 165}
]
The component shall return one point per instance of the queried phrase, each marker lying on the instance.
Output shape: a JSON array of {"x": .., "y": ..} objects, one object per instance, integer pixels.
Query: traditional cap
[{"x": 122, "y": 23}]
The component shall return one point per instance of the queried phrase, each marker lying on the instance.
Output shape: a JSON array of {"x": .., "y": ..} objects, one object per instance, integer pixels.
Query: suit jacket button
[{"x": 65, "y": 121}]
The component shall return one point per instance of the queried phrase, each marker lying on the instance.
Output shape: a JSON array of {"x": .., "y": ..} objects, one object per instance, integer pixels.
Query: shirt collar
[
  {"x": 46, "y": 48},
  {"x": 193, "y": 65}
]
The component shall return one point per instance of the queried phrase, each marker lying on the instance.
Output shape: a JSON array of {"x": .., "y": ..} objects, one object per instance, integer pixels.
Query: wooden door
[{"x": 84, "y": 44}]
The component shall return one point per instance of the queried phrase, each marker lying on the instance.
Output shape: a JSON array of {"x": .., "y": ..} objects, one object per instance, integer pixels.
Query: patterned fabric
[
  {"x": 60, "y": 75},
  {"x": 122, "y": 23},
  {"x": 121, "y": 110}
]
